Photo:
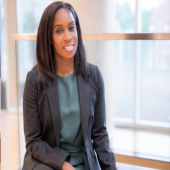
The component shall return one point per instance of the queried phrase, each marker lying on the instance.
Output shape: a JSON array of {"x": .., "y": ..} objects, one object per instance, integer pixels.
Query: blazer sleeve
[
  {"x": 37, "y": 148},
  {"x": 99, "y": 132}
]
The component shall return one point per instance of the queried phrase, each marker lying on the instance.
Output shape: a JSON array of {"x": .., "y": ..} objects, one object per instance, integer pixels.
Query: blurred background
[{"x": 136, "y": 75}]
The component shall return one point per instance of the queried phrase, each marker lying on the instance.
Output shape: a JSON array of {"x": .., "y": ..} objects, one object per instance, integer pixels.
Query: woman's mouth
[{"x": 69, "y": 48}]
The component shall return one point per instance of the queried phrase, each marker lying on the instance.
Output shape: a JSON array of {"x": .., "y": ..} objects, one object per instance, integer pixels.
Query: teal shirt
[{"x": 71, "y": 137}]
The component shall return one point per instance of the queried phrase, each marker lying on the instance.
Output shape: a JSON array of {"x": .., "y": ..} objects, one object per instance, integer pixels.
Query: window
[{"x": 142, "y": 68}]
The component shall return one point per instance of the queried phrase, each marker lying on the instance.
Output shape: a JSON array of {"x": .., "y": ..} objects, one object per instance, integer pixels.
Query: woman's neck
[{"x": 64, "y": 66}]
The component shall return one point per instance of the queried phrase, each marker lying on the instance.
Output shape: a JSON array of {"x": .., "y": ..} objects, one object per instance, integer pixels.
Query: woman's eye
[
  {"x": 71, "y": 28},
  {"x": 59, "y": 31}
]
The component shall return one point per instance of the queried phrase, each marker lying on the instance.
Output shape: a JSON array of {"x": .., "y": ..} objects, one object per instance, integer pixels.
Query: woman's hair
[{"x": 46, "y": 64}]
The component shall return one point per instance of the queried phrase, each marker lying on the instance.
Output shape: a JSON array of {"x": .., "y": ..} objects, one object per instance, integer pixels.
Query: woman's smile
[{"x": 69, "y": 48}]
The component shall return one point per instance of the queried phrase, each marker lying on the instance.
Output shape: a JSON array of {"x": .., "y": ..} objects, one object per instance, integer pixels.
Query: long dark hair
[{"x": 46, "y": 64}]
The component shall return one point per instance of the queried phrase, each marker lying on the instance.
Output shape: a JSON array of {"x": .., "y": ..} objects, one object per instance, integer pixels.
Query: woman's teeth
[{"x": 69, "y": 48}]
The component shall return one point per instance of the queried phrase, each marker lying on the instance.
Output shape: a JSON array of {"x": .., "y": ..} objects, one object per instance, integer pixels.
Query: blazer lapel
[
  {"x": 53, "y": 97},
  {"x": 83, "y": 90}
]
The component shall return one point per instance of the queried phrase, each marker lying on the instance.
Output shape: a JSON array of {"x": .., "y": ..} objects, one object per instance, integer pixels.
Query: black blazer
[{"x": 42, "y": 123}]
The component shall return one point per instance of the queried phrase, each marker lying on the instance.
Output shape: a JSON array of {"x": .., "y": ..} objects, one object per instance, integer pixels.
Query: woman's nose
[{"x": 67, "y": 35}]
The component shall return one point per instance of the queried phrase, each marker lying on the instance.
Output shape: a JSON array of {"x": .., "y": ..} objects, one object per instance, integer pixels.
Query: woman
[{"x": 63, "y": 104}]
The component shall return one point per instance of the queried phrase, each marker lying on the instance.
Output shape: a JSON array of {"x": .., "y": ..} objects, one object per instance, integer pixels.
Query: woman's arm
[
  {"x": 37, "y": 148},
  {"x": 99, "y": 132}
]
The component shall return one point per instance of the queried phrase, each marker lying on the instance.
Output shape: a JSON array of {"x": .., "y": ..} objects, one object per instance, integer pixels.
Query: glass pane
[
  {"x": 155, "y": 15},
  {"x": 148, "y": 144},
  {"x": 155, "y": 81},
  {"x": 27, "y": 59},
  {"x": 29, "y": 13},
  {"x": 125, "y": 16},
  {"x": 124, "y": 78}
]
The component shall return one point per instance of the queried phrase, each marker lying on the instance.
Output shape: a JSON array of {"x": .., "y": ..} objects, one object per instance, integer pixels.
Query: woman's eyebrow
[{"x": 59, "y": 25}]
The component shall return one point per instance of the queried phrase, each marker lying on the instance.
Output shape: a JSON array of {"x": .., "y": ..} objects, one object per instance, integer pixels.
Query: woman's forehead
[{"x": 63, "y": 16}]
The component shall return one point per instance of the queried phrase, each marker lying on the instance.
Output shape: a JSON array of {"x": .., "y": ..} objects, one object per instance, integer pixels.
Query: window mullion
[{"x": 137, "y": 44}]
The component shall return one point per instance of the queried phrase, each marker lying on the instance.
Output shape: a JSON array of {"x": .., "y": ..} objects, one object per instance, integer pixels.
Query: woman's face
[{"x": 64, "y": 35}]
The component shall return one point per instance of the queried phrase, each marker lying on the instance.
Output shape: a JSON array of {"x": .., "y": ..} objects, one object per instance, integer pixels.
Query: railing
[{"x": 105, "y": 36}]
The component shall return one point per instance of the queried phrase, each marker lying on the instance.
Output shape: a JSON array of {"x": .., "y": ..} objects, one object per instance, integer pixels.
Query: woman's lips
[{"x": 69, "y": 48}]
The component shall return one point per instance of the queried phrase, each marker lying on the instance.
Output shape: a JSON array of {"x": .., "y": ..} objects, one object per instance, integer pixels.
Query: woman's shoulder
[
  {"x": 91, "y": 66},
  {"x": 33, "y": 74},
  {"x": 94, "y": 70},
  {"x": 95, "y": 74}
]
